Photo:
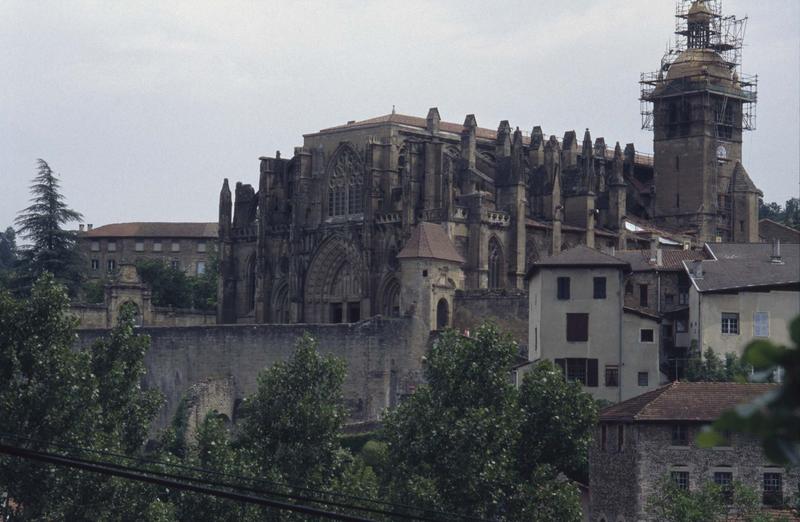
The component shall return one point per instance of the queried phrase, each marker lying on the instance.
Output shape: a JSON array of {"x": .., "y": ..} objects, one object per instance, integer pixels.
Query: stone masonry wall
[
  {"x": 506, "y": 308},
  {"x": 383, "y": 356}
]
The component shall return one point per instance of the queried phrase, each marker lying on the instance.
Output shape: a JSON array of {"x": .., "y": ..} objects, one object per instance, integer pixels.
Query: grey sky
[{"x": 143, "y": 107}]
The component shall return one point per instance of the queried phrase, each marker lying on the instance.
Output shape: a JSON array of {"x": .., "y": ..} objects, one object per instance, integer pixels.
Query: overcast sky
[{"x": 144, "y": 107}]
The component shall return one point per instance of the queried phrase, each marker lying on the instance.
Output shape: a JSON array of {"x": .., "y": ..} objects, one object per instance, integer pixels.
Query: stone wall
[
  {"x": 383, "y": 356},
  {"x": 506, "y": 308}
]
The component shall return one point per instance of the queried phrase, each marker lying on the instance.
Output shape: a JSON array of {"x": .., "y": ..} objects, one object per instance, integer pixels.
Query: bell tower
[{"x": 698, "y": 104}]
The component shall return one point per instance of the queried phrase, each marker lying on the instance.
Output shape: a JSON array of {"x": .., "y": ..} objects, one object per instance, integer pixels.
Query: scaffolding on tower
[{"x": 725, "y": 37}]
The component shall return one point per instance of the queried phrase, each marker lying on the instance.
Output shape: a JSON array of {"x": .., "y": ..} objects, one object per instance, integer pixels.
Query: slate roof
[
  {"x": 189, "y": 230},
  {"x": 581, "y": 256},
  {"x": 671, "y": 259},
  {"x": 742, "y": 181},
  {"x": 746, "y": 265},
  {"x": 685, "y": 401},
  {"x": 430, "y": 241}
]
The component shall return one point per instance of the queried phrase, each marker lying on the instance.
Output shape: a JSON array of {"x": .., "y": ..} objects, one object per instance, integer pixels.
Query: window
[
  {"x": 95, "y": 246},
  {"x": 112, "y": 246},
  {"x": 620, "y": 437},
  {"x": 612, "y": 376},
  {"x": 156, "y": 246},
  {"x": 563, "y": 287},
  {"x": 643, "y": 295},
  {"x": 681, "y": 326},
  {"x": 629, "y": 288},
  {"x": 201, "y": 247},
  {"x": 646, "y": 335},
  {"x": 644, "y": 379},
  {"x": 761, "y": 324},
  {"x": 680, "y": 435},
  {"x": 681, "y": 479},
  {"x": 346, "y": 184},
  {"x": 683, "y": 296},
  {"x": 579, "y": 370},
  {"x": 726, "y": 439},
  {"x": 669, "y": 299},
  {"x": 95, "y": 264},
  {"x": 724, "y": 479},
  {"x": 730, "y": 324},
  {"x": 773, "y": 489},
  {"x": 111, "y": 265},
  {"x": 175, "y": 264},
  {"x": 139, "y": 246},
  {"x": 201, "y": 267},
  {"x": 577, "y": 328},
  {"x": 599, "y": 287},
  {"x": 176, "y": 247}
]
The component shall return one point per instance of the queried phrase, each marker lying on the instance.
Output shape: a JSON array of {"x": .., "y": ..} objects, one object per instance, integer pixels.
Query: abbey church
[{"x": 395, "y": 214}]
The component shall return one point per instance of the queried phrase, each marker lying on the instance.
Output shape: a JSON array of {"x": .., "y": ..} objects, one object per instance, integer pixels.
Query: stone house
[
  {"x": 579, "y": 320},
  {"x": 185, "y": 246},
  {"x": 743, "y": 292},
  {"x": 641, "y": 441}
]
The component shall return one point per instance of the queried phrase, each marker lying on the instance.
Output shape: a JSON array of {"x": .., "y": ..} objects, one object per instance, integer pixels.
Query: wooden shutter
[{"x": 591, "y": 372}]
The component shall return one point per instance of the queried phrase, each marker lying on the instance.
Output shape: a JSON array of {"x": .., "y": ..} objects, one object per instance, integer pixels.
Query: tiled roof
[
  {"x": 430, "y": 241},
  {"x": 744, "y": 265},
  {"x": 685, "y": 401},
  {"x": 766, "y": 223},
  {"x": 194, "y": 230},
  {"x": 581, "y": 255},
  {"x": 671, "y": 259}
]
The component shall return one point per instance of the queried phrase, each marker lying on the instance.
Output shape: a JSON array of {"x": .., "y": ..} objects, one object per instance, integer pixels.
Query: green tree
[
  {"x": 454, "y": 444},
  {"x": 8, "y": 256},
  {"x": 89, "y": 398},
  {"x": 292, "y": 424},
  {"x": 707, "y": 503},
  {"x": 172, "y": 287},
  {"x": 557, "y": 423},
  {"x": 713, "y": 368},
  {"x": 52, "y": 249}
]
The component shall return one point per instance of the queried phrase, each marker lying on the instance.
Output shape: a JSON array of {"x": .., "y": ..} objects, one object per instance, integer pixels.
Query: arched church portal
[{"x": 334, "y": 285}]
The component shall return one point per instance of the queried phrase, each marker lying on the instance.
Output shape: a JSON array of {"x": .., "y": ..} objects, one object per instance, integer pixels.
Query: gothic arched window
[
  {"x": 495, "y": 264},
  {"x": 346, "y": 184}
]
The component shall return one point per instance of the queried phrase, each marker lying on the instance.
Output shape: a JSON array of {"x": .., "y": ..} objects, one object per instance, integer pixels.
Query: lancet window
[{"x": 346, "y": 185}]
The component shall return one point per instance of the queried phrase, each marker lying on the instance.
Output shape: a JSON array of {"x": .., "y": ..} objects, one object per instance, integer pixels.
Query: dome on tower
[
  {"x": 700, "y": 10},
  {"x": 699, "y": 62}
]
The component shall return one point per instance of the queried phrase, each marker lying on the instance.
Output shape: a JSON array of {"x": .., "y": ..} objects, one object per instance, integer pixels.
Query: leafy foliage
[
  {"x": 172, "y": 287},
  {"x": 8, "y": 255},
  {"x": 789, "y": 214},
  {"x": 708, "y": 503},
  {"x": 52, "y": 249},
  {"x": 712, "y": 368},
  {"x": 774, "y": 418},
  {"x": 455, "y": 444},
  {"x": 88, "y": 398}
]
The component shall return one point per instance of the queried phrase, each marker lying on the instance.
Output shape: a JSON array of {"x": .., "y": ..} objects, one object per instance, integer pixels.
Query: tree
[
  {"x": 8, "y": 255},
  {"x": 707, "y": 503},
  {"x": 557, "y": 423},
  {"x": 454, "y": 444},
  {"x": 51, "y": 393},
  {"x": 52, "y": 248},
  {"x": 172, "y": 287},
  {"x": 712, "y": 368}
]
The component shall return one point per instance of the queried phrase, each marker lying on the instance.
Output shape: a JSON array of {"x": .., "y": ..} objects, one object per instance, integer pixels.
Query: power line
[{"x": 104, "y": 469}]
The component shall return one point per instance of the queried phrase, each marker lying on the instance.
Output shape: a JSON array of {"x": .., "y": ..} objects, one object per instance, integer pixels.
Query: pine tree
[{"x": 52, "y": 249}]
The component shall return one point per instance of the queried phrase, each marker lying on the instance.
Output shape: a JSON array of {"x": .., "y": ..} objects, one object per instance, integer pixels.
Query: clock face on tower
[{"x": 722, "y": 152}]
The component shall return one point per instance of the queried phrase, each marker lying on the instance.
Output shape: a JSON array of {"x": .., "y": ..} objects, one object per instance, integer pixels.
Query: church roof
[
  {"x": 429, "y": 241},
  {"x": 685, "y": 401},
  {"x": 140, "y": 229},
  {"x": 742, "y": 181}
]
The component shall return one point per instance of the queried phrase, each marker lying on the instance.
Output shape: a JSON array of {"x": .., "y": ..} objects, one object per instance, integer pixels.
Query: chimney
[
  {"x": 653, "y": 249},
  {"x": 89, "y": 227},
  {"x": 80, "y": 227},
  {"x": 776, "y": 252},
  {"x": 697, "y": 269}
]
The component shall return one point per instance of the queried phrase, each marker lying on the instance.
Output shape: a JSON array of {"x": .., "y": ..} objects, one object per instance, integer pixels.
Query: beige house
[
  {"x": 745, "y": 292},
  {"x": 578, "y": 320}
]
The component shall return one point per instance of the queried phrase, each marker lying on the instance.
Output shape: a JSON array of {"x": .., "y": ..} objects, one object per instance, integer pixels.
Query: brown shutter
[{"x": 591, "y": 372}]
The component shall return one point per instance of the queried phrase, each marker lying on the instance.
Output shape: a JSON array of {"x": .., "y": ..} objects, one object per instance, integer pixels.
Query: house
[
  {"x": 184, "y": 246},
  {"x": 744, "y": 292},
  {"x": 579, "y": 320},
  {"x": 641, "y": 441}
]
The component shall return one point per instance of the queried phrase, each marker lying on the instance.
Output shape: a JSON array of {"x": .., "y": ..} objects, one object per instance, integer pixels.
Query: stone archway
[
  {"x": 442, "y": 314},
  {"x": 334, "y": 288}
]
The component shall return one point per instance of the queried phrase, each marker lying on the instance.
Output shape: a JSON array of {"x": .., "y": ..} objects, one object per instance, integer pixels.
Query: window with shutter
[
  {"x": 577, "y": 328},
  {"x": 591, "y": 372}
]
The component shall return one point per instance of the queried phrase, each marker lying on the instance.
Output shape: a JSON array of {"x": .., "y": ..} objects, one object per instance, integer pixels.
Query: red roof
[
  {"x": 685, "y": 401},
  {"x": 430, "y": 241},
  {"x": 190, "y": 230}
]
